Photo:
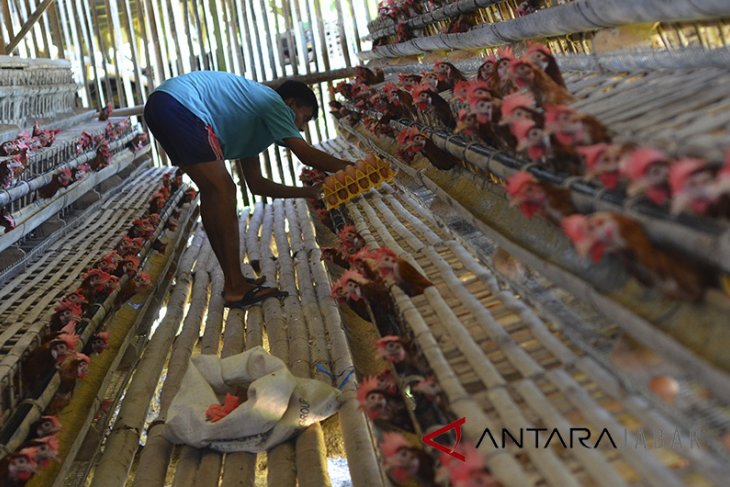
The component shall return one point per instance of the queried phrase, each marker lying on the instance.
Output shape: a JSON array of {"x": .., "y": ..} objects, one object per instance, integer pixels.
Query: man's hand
[{"x": 316, "y": 191}]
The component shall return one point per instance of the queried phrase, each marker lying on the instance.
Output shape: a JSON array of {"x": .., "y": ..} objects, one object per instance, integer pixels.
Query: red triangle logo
[{"x": 428, "y": 439}]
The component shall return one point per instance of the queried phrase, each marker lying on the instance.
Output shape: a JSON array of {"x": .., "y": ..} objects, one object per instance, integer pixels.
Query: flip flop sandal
[{"x": 251, "y": 298}]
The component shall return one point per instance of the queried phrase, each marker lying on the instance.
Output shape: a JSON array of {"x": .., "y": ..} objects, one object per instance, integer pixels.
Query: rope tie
[{"x": 348, "y": 373}]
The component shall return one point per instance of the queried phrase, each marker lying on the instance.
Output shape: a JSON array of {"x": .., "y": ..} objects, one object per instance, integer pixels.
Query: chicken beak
[
  {"x": 680, "y": 202},
  {"x": 583, "y": 247},
  {"x": 516, "y": 201},
  {"x": 637, "y": 187}
]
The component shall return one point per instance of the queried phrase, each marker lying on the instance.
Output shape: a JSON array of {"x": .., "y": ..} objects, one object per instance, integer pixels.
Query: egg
[
  {"x": 340, "y": 177},
  {"x": 664, "y": 386},
  {"x": 364, "y": 183},
  {"x": 332, "y": 199}
]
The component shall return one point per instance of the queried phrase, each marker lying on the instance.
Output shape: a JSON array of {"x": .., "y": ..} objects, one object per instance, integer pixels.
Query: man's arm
[
  {"x": 261, "y": 186},
  {"x": 315, "y": 157}
]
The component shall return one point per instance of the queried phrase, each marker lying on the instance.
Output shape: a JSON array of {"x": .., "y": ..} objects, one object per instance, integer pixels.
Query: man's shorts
[{"x": 185, "y": 138}]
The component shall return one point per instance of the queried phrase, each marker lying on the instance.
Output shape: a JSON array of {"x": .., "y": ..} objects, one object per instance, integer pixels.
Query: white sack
[{"x": 278, "y": 405}]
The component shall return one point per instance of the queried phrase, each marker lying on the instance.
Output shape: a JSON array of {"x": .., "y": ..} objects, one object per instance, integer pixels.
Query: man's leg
[{"x": 218, "y": 212}]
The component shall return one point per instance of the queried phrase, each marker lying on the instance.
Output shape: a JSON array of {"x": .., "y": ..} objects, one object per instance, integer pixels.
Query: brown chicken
[
  {"x": 394, "y": 270},
  {"x": 535, "y": 198},
  {"x": 404, "y": 463},
  {"x": 427, "y": 100},
  {"x": 72, "y": 369},
  {"x": 527, "y": 76},
  {"x": 612, "y": 233}
]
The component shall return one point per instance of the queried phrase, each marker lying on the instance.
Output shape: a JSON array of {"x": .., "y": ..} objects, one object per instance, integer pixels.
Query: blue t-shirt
[{"x": 246, "y": 116}]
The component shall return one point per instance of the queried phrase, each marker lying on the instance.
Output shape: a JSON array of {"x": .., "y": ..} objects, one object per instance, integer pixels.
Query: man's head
[{"x": 301, "y": 99}]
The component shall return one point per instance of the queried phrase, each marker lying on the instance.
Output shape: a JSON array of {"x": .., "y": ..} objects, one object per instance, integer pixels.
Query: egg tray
[{"x": 366, "y": 177}]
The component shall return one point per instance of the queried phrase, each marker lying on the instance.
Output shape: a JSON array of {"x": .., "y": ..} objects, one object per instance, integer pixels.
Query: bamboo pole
[
  {"x": 155, "y": 456},
  {"x": 77, "y": 13},
  {"x": 128, "y": 24},
  {"x": 201, "y": 40},
  {"x": 170, "y": 17},
  {"x": 97, "y": 43},
  {"x": 28, "y": 25},
  {"x": 56, "y": 31},
  {"x": 121, "y": 446},
  {"x": 123, "y": 87}
]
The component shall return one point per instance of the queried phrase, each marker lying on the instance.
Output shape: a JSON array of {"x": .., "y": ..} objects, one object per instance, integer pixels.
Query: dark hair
[{"x": 302, "y": 94}]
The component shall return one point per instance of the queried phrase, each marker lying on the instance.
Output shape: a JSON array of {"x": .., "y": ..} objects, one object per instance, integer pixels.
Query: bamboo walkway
[{"x": 303, "y": 329}]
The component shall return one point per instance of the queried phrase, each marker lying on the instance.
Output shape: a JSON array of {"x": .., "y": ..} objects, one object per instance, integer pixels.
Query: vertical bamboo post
[
  {"x": 127, "y": 13},
  {"x": 56, "y": 31},
  {"x": 79, "y": 16},
  {"x": 199, "y": 28},
  {"x": 97, "y": 43}
]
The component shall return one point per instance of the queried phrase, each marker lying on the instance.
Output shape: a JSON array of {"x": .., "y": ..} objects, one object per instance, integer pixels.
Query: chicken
[
  {"x": 95, "y": 285},
  {"x": 6, "y": 220},
  {"x": 528, "y": 77},
  {"x": 400, "y": 102},
  {"x": 519, "y": 106},
  {"x": 487, "y": 70},
  {"x": 128, "y": 246},
  {"x": 430, "y": 403},
  {"x": 602, "y": 162},
  {"x": 47, "y": 449},
  {"x": 44, "y": 427},
  {"x": 383, "y": 406},
  {"x": 129, "y": 266},
  {"x": 527, "y": 7},
  {"x": 140, "y": 140},
  {"x": 403, "y": 354},
  {"x": 404, "y": 463},
  {"x": 604, "y": 232},
  {"x": 403, "y": 32},
  {"x": 408, "y": 81},
  {"x": 139, "y": 283},
  {"x": 480, "y": 119},
  {"x": 394, "y": 270},
  {"x": 350, "y": 242},
  {"x": 79, "y": 172},
  {"x": 65, "y": 312},
  {"x": 647, "y": 171},
  {"x": 77, "y": 298},
  {"x": 541, "y": 56},
  {"x": 447, "y": 75},
  {"x": 368, "y": 76},
  {"x": 364, "y": 262},
  {"x": 44, "y": 358},
  {"x": 381, "y": 306},
  {"x": 157, "y": 203},
  {"x": 462, "y": 23},
  {"x": 428, "y": 100},
  {"x": 142, "y": 228},
  {"x": 103, "y": 156},
  {"x": 501, "y": 81},
  {"x": 61, "y": 179},
  {"x": 413, "y": 142},
  {"x": 109, "y": 262},
  {"x": 72, "y": 369},
  {"x": 7, "y": 173},
  {"x": 531, "y": 140},
  {"x": 470, "y": 472},
  {"x": 106, "y": 112},
  {"x": 97, "y": 343},
  {"x": 692, "y": 182},
  {"x": 9, "y": 148},
  {"x": 535, "y": 198},
  {"x": 188, "y": 197},
  {"x": 17, "y": 468},
  {"x": 570, "y": 128}
]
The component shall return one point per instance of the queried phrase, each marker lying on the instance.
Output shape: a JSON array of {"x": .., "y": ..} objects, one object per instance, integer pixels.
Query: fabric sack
[{"x": 278, "y": 406}]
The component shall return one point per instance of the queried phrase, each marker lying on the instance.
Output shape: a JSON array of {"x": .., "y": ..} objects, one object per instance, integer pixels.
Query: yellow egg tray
[{"x": 366, "y": 174}]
